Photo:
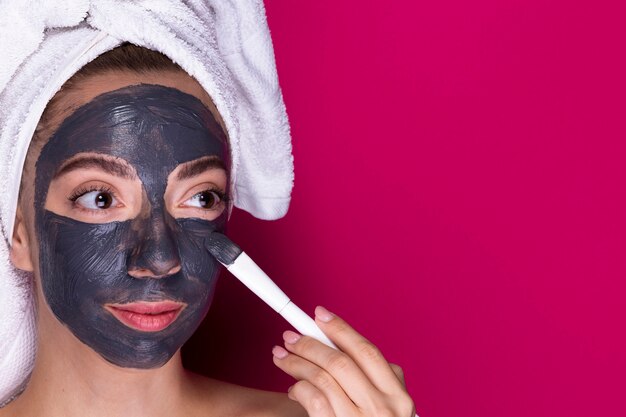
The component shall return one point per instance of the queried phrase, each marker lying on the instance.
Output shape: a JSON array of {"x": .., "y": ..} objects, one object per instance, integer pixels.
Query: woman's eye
[
  {"x": 205, "y": 200},
  {"x": 96, "y": 200}
]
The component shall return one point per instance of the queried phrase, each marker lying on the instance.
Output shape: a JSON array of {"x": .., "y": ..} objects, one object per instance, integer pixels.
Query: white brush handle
[
  {"x": 253, "y": 277},
  {"x": 305, "y": 324}
]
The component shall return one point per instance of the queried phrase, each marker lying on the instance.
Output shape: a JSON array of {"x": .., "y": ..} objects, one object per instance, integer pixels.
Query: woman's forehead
[
  {"x": 90, "y": 87},
  {"x": 152, "y": 127}
]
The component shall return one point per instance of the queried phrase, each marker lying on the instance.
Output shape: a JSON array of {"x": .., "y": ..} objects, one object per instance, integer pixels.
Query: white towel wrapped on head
[{"x": 224, "y": 44}]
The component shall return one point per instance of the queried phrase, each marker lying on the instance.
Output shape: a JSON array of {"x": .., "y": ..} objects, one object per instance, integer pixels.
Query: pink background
[{"x": 459, "y": 198}]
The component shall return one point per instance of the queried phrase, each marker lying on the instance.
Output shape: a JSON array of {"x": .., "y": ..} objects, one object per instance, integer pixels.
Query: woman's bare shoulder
[
  {"x": 235, "y": 400},
  {"x": 207, "y": 397}
]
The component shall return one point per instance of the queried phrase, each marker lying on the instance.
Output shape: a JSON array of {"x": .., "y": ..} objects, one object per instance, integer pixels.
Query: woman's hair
[{"x": 126, "y": 57}]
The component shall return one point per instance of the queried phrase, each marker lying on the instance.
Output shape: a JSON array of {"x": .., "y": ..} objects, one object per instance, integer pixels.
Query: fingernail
[
  {"x": 291, "y": 337},
  {"x": 323, "y": 314},
  {"x": 289, "y": 394},
  {"x": 279, "y": 352}
]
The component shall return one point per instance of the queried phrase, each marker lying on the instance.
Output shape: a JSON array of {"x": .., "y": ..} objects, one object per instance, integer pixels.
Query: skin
[
  {"x": 70, "y": 378},
  {"x": 144, "y": 244}
]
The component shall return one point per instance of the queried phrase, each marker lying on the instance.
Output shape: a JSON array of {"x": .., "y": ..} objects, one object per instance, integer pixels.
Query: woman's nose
[{"x": 156, "y": 253}]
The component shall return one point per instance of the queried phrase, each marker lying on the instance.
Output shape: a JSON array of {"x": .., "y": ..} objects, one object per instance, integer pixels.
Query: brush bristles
[{"x": 222, "y": 248}]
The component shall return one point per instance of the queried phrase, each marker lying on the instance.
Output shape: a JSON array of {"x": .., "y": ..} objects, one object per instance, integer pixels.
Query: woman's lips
[{"x": 146, "y": 316}]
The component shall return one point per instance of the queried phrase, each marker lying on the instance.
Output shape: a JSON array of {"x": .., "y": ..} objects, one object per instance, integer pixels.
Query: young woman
[
  {"x": 128, "y": 168},
  {"x": 128, "y": 173}
]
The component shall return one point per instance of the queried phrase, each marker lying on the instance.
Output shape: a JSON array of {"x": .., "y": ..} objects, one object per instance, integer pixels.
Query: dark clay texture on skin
[
  {"x": 218, "y": 245},
  {"x": 84, "y": 266}
]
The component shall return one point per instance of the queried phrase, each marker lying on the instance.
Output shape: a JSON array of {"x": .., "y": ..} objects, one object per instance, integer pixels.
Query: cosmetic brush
[{"x": 252, "y": 276}]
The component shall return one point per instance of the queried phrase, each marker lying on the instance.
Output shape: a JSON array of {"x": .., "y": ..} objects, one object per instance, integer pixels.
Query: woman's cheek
[{"x": 84, "y": 267}]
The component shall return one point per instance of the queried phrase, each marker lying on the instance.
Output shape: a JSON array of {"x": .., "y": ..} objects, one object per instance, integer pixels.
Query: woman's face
[{"x": 126, "y": 191}]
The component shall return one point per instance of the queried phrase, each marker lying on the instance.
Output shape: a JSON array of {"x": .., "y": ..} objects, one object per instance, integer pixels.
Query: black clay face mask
[{"x": 85, "y": 267}]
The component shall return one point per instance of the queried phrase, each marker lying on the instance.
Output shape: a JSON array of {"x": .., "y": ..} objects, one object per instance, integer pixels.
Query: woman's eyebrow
[
  {"x": 110, "y": 166},
  {"x": 197, "y": 167}
]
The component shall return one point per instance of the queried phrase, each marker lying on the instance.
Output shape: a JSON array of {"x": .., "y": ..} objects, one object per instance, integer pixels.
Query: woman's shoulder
[{"x": 236, "y": 400}]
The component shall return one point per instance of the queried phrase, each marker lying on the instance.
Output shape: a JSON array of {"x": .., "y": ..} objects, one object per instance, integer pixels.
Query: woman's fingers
[
  {"x": 324, "y": 364},
  {"x": 324, "y": 383},
  {"x": 399, "y": 373},
  {"x": 364, "y": 353},
  {"x": 314, "y": 402},
  {"x": 353, "y": 381}
]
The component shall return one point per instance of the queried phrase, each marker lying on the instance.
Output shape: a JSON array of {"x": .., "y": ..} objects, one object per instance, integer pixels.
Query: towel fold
[{"x": 224, "y": 44}]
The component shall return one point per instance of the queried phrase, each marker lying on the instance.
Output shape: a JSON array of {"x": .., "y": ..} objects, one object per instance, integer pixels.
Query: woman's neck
[{"x": 71, "y": 379}]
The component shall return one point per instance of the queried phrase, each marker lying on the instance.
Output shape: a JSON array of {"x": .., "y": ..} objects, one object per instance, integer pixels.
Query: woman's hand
[{"x": 356, "y": 381}]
